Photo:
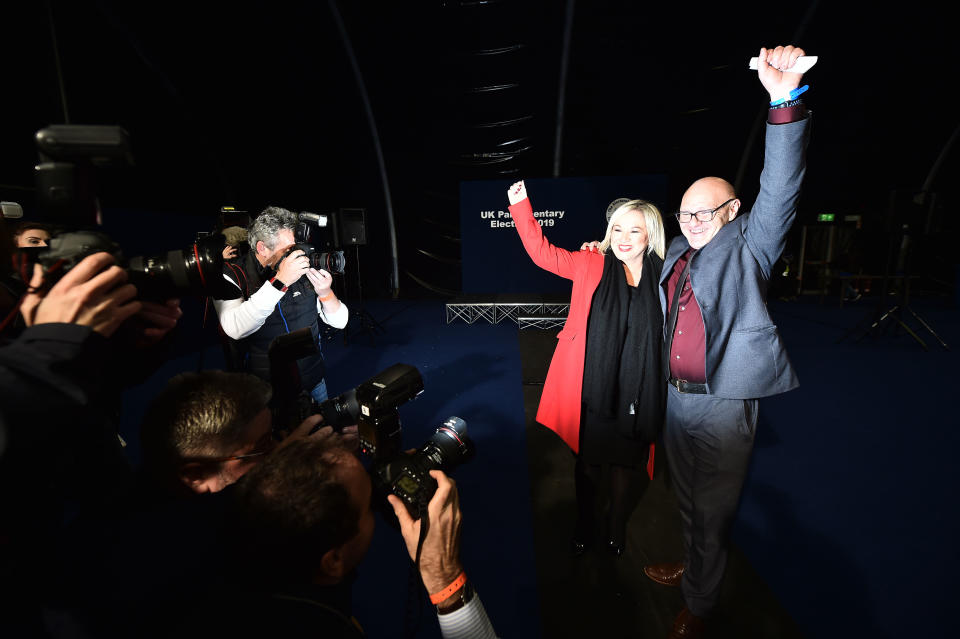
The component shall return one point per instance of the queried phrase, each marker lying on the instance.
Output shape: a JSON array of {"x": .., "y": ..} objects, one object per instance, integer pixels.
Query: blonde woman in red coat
[{"x": 604, "y": 392}]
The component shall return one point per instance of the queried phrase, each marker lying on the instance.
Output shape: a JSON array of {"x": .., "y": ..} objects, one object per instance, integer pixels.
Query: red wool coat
[{"x": 561, "y": 399}]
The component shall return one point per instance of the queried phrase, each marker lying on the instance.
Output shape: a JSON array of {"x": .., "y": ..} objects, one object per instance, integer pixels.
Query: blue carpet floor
[{"x": 849, "y": 512}]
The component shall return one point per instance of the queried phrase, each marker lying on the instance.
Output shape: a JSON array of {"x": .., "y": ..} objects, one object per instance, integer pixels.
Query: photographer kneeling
[
  {"x": 205, "y": 430},
  {"x": 278, "y": 299},
  {"x": 304, "y": 523}
]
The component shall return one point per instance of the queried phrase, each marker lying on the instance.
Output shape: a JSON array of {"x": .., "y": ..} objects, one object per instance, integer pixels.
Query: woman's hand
[{"x": 517, "y": 192}]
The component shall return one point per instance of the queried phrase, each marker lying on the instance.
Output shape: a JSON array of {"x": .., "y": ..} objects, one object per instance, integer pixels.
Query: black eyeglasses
[
  {"x": 233, "y": 457},
  {"x": 703, "y": 216},
  {"x": 264, "y": 445}
]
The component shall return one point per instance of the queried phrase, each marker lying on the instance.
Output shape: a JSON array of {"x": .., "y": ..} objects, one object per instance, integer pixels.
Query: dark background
[{"x": 255, "y": 105}]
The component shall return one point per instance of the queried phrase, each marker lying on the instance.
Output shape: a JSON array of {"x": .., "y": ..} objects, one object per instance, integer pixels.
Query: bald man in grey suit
[{"x": 722, "y": 350}]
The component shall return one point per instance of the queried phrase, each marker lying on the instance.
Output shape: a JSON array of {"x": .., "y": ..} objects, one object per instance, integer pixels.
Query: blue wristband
[{"x": 794, "y": 94}]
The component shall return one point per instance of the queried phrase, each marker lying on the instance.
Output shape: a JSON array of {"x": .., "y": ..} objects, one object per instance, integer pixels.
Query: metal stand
[
  {"x": 367, "y": 323},
  {"x": 881, "y": 318},
  {"x": 895, "y": 314}
]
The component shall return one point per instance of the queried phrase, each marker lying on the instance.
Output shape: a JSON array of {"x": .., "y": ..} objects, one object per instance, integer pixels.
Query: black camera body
[{"x": 408, "y": 475}]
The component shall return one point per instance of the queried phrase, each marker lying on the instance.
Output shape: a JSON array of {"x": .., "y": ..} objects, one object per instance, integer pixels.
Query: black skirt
[{"x": 601, "y": 441}]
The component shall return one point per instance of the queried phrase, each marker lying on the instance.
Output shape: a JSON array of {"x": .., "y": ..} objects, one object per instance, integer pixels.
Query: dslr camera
[
  {"x": 195, "y": 269},
  {"x": 372, "y": 406},
  {"x": 312, "y": 236}
]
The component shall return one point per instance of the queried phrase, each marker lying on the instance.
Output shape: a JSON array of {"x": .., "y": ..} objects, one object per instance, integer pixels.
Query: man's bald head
[
  {"x": 710, "y": 187},
  {"x": 707, "y": 194}
]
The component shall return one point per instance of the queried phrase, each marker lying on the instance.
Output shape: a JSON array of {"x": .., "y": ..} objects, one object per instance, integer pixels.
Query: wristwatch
[
  {"x": 788, "y": 103},
  {"x": 466, "y": 593},
  {"x": 277, "y": 284}
]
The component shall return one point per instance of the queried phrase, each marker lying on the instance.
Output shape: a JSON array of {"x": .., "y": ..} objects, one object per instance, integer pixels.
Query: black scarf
[{"x": 614, "y": 379}]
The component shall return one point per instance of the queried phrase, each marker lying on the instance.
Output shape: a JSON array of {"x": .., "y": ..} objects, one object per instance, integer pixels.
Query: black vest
[{"x": 297, "y": 309}]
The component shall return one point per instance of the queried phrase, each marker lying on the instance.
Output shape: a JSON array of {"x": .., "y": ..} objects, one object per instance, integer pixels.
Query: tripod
[
  {"x": 367, "y": 323},
  {"x": 881, "y": 319}
]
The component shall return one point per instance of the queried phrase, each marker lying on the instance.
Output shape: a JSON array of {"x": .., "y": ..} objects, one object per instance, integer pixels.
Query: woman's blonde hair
[{"x": 656, "y": 238}]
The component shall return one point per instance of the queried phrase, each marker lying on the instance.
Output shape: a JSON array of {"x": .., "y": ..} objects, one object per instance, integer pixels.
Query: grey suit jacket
[{"x": 745, "y": 357}]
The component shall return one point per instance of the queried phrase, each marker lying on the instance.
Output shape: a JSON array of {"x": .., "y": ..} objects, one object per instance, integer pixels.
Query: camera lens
[
  {"x": 334, "y": 262},
  {"x": 339, "y": 411},
  {"x": 449, "y": 445},
  {"x": 196, "y": 269}
]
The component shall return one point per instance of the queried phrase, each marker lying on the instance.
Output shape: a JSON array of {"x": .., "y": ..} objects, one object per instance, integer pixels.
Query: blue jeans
[{"x": 319, "y": 392}]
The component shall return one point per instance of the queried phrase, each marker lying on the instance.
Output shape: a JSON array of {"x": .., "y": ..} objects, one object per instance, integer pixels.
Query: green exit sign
[{"x": 825, "y": 217}]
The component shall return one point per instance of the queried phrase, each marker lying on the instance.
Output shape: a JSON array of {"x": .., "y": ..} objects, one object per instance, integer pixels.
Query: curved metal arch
[
  {"x": 935, "y": 169},
  {"x": 368, "y": 110}
]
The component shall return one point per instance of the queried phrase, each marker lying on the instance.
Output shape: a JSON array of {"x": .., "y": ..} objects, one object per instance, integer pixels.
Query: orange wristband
[
  {"x": 327, "y": 297},
  {"x": 444, "y": 594}
]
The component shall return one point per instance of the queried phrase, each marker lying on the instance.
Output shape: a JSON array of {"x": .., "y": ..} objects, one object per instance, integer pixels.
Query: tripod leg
[
  {"x": 880, "y": 320},
  {"x": 930, "y": 330},
  {"x": 859, "y": 327},
  {"x": 371, "y": 323},
  {"x": 912, "y": 334}
]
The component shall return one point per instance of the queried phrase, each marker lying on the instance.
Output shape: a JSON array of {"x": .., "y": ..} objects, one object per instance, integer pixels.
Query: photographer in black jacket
[
  {"x": 281, "y": 293},
  {"x": 59, "y": 449}
]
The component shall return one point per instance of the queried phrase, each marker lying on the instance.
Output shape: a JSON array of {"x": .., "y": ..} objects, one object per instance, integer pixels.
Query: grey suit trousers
[{"x": 708, "y": 441}]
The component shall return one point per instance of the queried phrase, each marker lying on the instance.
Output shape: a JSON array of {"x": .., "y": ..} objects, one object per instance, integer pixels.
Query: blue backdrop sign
[{"x": 571, "y": 211}]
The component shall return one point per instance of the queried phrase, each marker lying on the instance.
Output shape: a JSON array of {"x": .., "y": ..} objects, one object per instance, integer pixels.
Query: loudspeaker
[{"x": 351, "y": 227}]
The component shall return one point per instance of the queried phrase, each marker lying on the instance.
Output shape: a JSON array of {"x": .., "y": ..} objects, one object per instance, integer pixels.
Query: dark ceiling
[{"x": 259, "y": 105}]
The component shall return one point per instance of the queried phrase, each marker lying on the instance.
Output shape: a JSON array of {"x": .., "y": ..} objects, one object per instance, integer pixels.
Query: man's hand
[
  {"x": 773, "y": 67},
  {"x": 590, "y": 246},
  {"x": 93, "y": 293},
  {"x": 349, "y": 435},
  {"x": 156, "y": 320},
  {"x": 293, "y": 267},
  {"x": 517, "y": 192},
  {"x": 303, "y": 430},
  {"x": 321, "y": 280},
  {"x": 440, "y": 557}
]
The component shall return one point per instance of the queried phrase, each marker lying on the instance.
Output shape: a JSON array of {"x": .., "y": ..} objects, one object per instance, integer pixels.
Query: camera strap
[{"x": 416, "y": 603}]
